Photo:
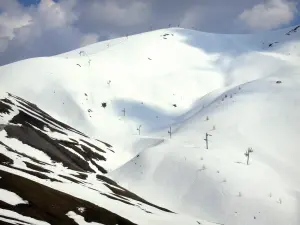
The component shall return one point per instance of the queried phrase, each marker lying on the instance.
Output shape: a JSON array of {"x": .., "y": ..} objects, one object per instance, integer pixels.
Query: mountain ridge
[{"x": 152, "y": 98}]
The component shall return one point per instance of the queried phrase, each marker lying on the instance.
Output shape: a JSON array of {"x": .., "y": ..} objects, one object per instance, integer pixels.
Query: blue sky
[
  {"x": 296, "y": 21},
  {"x": 31, "y": 2}
]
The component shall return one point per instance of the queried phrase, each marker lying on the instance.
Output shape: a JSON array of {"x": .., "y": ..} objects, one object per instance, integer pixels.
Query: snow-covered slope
[
  {"x": 217, "y": 183},
  {"x": 51, "y": 173},
  {"x": 241, "y": 89}
]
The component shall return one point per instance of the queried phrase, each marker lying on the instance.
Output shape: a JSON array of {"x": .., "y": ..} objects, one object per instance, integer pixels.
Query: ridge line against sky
[{"x": 32, "y": 28}]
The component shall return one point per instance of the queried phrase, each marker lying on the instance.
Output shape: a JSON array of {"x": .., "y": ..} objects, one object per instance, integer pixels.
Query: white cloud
[
  {"x": 115, "y": 14},
  {"x": 272, "y": 14},
  {"x": 53, "y": 15},
  {"x": 9, "y": 22},
  {"x": 3, "y": 44},
  {"x": 51, "y": 28},
  {"x": 10, "y": 5},
  {"x": 89, "y": 39},
  {"x": 41, "y": 30},
  {"x": 192, "y": 17}
]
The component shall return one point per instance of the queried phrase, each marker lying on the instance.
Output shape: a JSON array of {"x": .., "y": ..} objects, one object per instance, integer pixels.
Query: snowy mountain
[
  {"x": 53, "y": 174},
  {"x": 138, "y": 109}
]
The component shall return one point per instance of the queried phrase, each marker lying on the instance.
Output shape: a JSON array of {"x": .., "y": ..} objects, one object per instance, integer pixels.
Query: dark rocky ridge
[
  {"x": 29, "y": 126},
  {"x": 50, "y": 205},
  {"x": 28, "y": 134}
]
